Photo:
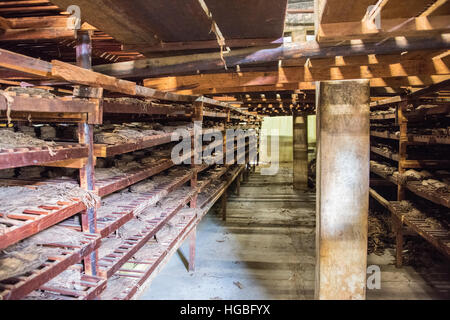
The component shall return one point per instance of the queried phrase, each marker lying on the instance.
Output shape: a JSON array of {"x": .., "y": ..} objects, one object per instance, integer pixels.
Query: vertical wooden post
[
  {"x": 196, "y": 116},
  {"x": 403, "y": 144},
  {"x": 238, "y": 184},
  {"x": 224, "y": 205},
  {"x": 342, "y": 188},
  {"x": 86, "y": 136},
  {"x": 300, "y": 144},
  {"x": 192, "y": 246}
]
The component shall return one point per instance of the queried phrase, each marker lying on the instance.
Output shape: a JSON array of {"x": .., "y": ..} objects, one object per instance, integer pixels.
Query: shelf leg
[
  {"x": 398, "y": 229},
  {"x": 86, "y": 136},
  {"x": 224, "y": 205},
  {"x": 238, "y": 184},
  {"x": 300, "y": 143},
  {"x": 192, "y": 247}
]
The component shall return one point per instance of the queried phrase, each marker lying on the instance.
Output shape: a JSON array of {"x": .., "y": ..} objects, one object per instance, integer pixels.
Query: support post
[
  {"x": 238, "y": 184},
  {"x": 402, "y": 151},
  {"x": 342, "y": 189},
  {"x": 86, "y": 136},
  {"x": 300, "y": 144},
  {"x": 197, "y": 115},
  {"x": 224, "y": 206},
  {"x": 192, "y": 245}
]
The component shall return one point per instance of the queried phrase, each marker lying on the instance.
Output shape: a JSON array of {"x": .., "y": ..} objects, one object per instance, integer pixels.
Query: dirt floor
[{"x": 266, "y": 250}]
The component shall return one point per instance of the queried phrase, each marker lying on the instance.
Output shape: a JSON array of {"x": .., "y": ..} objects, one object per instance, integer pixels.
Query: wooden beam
[
  {"x": 74, "y": 74},
  {"x": 390, "y": 28},
  {"x": 4, "y": 24},
  {"x": 18, "y": 62},
  {"x": 29, "y": 9},
  {"x": 213, "y": 62},
  {"x": 342, "y": 61},
  {"x": 249, "y": 89},
  {"x": 434, "y": 7},
  {"x": 206, "y": 44},
  {"x": 380, "y": 83},
  {"x": 301, "y": 74}
]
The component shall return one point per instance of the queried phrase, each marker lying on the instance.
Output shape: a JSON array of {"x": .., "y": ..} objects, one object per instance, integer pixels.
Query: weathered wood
[
  {"x": 86, "y": 136},
  {"x": 37, "y": 34},
  {"x": 396, "y": 82},
  {"x": 390, "y": 28},
  {"x": 300, "y": 146},
  {"x": 74, "y": 74},
  {"x": 223, "y": 202},
  {"x": 206, "y": 44},
  {"x": 18, "y": 62},
  {"x": 213, "y": 62},
  {"x": 342, "y": 188},
  {"x": 301, "y": 74}
]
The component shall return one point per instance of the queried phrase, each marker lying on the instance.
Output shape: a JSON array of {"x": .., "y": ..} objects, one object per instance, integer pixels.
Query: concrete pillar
[
  {"x": 300, "y": 141},
  {"x": 342, "y": 188}
]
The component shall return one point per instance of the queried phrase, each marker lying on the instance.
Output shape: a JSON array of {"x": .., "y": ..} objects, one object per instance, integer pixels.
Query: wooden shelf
[
  {"x": 105, "y": 187},
  {"x": 143, "y": 270},
  {"x": 215, "y": 114},
  {"x": 67, "y": 109},
  {"x": 18, "y": 287},
  {"x": 438, "y": 237},
  {"x": 26, "y": 223},
  {"x": 417, "y": 188},
  {"x": 35, "y": 156},
  {"x": 386, "y": 116},
  {"x": 112, "y": 262},
  {"x": 142, "y": 108},
  {"x": 428, "y": 139},
  {"x": 214, "y": 177},
  {"x": 384, "y": 134},
  {"x": 110, "y": 222},
  {"x": 387, "y": 154},
  {"x": 421, "y": 113},
  {"x": 91, "y": 288},
  {"x": 103, "y": 150}
]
